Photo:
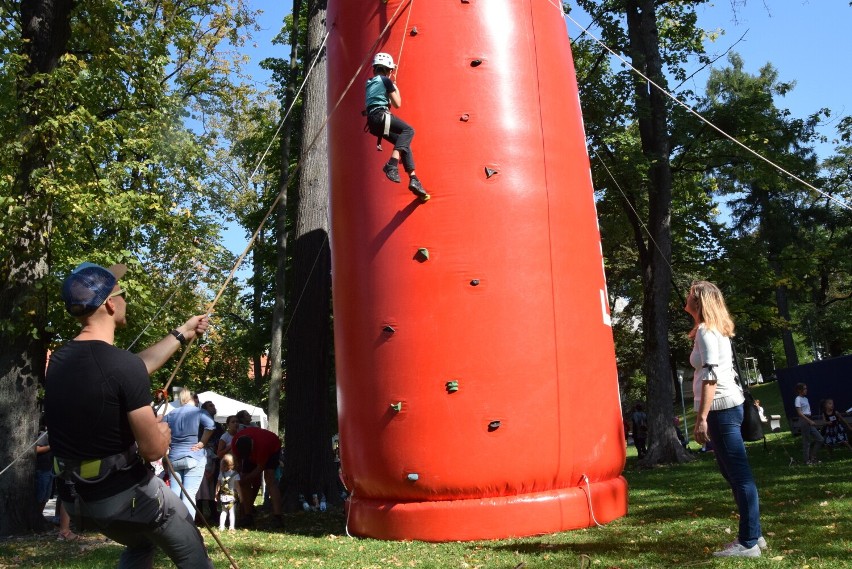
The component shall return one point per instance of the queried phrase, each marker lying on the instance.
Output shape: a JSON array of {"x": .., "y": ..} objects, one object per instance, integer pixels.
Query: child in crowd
[
  {"x": 811, "y": 438},
  {"x": 226, "y": 489},
  {"x": 835, "y": 432}
]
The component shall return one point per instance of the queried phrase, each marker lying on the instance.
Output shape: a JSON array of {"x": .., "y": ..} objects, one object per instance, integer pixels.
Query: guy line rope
[{"x": 710, "y": 124}]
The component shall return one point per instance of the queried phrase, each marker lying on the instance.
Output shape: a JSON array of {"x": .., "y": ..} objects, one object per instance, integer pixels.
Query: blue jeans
[
  {"x": 190, "y": 472},
  {"x": 724, "y": 429},
  {"x": 44, "y": 486}
]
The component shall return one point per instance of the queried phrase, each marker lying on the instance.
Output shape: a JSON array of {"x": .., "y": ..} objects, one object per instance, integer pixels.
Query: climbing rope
[
  {"x": 17, "y": 458},
  {"x": 161, "y": 308},
  {"x": 630, "y": 205},
  {"x": 710, "y": 124},
  {"x": 404, "y": 34},
  {"x": 272, "y": 207},
  {"x": 266, "y": 217}
]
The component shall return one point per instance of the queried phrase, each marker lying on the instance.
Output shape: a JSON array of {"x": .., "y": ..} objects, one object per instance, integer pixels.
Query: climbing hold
[
  {"x": 413, "y": 476},
  {"x": 452, "y": 386},
  {"x": 476, "y": 63},
  {"x": 422, "y": 254},
  {"x": 414, "y": 31},
  {"x": 493, "y": 426},
  {"x": 389, "y": 329},
  {"x": 396, "y": 407},
  {"x": 474, "y": 282},
  {"x": 490, "y": 172},
  {"x": 464, "y": 118}
]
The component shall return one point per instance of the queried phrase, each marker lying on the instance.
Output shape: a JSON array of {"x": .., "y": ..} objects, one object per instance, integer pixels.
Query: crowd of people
[{"x": 101, "y": 435}]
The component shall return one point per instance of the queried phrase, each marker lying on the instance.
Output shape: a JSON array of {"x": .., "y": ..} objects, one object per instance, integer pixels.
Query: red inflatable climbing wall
[{"x": 475, "y": 363}]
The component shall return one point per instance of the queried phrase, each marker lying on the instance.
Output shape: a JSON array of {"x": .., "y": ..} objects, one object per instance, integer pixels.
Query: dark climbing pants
[
  {"x": 400, "y": 135},
  {"x": 142, "y": 518}
]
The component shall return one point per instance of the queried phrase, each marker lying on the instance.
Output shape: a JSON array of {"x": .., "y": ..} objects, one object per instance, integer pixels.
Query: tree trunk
[
  {"x": 656, "y": 270},
  {"x": 279, "y": 310},
  {"x": 256, "y": 312},
  {"x": 309, "y": 465},
  {"x": 23, "y": 300}
]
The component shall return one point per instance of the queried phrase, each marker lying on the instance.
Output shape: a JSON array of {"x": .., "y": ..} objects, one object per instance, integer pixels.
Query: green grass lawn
[{"x": 677, "y": 516}]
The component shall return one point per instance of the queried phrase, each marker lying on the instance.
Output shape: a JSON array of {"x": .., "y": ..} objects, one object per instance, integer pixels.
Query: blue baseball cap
[{"x": 88, "y": 286}]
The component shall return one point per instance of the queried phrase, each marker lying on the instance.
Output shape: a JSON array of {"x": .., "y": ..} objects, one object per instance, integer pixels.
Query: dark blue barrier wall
[{"x": 826, "y": 379}]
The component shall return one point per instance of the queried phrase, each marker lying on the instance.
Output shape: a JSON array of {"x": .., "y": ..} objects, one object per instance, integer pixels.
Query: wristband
[{"x": 180, "y": 337}]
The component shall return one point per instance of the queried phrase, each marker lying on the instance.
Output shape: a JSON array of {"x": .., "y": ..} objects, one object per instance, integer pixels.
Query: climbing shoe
[
  {"x": 392, "y": 172},
  {"x": 417, "y": 189}
]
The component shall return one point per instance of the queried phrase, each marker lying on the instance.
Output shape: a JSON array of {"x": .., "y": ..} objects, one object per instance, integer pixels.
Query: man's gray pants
[{"x": 143, "y": 518}]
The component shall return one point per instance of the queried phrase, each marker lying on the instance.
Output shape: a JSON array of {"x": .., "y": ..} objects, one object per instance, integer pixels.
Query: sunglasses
[{"x": 120, "y": 292}]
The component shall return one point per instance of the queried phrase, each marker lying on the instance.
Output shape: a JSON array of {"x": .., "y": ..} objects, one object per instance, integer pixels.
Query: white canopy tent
[{"x": 225, "y": 406}]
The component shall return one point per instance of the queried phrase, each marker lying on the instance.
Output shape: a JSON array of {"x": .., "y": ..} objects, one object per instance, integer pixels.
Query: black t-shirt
[{"x": 90, "y": 388}]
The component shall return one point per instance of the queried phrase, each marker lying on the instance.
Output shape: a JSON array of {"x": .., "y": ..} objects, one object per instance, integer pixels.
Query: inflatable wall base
[{"x": 490, "y": 518}]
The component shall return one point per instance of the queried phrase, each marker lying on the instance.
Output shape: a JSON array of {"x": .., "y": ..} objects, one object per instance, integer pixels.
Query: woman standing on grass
[{"x": 719, "y": 409}]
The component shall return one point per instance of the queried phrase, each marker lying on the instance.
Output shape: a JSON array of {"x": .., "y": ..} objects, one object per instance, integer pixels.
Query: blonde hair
[
  {"x": 712, "y": 310},
  {"x": 186, "y": 396},
  {"x": 227, "y": 459}
]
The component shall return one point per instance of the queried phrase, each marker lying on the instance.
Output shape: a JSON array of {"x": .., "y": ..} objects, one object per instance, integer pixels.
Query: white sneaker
[
  {"x": 736, "y": 549},
  {"x": 761, "y": 543}
]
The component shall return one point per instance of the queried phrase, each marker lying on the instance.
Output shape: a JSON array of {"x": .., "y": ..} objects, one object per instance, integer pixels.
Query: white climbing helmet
[{"x": 383, "y": 59}]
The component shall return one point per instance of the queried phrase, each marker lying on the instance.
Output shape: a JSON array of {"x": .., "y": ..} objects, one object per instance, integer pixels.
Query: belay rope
[{"x": 164, "y": 391}]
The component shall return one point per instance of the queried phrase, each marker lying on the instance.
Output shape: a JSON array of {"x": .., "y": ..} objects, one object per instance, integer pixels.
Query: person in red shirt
[{"x": 256, "y": 453}]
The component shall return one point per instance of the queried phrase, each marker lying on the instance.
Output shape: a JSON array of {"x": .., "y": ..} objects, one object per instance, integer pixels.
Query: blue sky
[{"x": 807, "y": 41}]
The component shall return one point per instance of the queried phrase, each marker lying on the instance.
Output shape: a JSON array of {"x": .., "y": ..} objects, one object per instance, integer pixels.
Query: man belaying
[
  {"x": 381, "y": 93},
  {"x": 102, "y": 427}
]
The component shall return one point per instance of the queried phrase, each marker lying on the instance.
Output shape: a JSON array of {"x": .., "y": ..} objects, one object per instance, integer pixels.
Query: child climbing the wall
[{"x": 381, "y": 93}]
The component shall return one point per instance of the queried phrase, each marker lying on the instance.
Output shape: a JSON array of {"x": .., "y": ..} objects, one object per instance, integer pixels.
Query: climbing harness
[
  {"x": 92, "y": 471},
  {"x": 372, "y": 115}
]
